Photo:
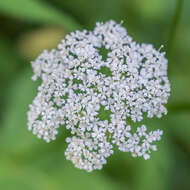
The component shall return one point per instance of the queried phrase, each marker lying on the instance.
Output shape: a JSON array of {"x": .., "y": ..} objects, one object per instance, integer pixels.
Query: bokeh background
[{"x": 29, "y": 26}]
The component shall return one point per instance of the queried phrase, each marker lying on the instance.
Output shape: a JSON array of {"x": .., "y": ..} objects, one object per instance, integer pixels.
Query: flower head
[{"x": 94, "y": 97}]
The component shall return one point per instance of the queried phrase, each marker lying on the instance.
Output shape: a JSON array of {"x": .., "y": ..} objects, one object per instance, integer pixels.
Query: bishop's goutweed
[{"x": 94, "y": 97}]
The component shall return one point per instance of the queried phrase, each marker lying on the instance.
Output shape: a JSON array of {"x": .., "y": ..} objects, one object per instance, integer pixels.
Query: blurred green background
[{"x": 29, "y": 26}]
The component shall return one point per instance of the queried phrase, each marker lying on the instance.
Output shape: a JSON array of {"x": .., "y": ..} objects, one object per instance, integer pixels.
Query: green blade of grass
[
  {"x": 174, "y": 27},
  {"x": 37, "y": 11}
]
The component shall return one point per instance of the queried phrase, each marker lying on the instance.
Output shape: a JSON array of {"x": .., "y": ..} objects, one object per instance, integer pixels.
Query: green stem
[
  {"x": 174, "y": 26},
  {"x": 178, "y": 107}
]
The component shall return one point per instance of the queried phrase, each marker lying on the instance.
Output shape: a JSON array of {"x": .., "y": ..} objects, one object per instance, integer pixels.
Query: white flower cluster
[{"x": 98, "y": 98}]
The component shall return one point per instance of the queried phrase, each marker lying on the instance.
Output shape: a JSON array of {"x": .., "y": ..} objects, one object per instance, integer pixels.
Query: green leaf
[
  {"x": 14, "y": 135},
  {"x": 64, "y": 176},
  {"x": 179, "y": 100},
  {"x": 180, "y": 89},
  {"x": 37, "y": 11},
  {"x": 22, "y": 177},
  {"x": 10, "y": 62},
  {"x": 10, "y": 66},
  {"x": 179, "y": 127}
]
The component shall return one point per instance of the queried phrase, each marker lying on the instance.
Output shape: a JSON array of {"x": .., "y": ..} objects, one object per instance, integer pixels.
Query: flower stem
[{"x": 174, "y": 26}]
